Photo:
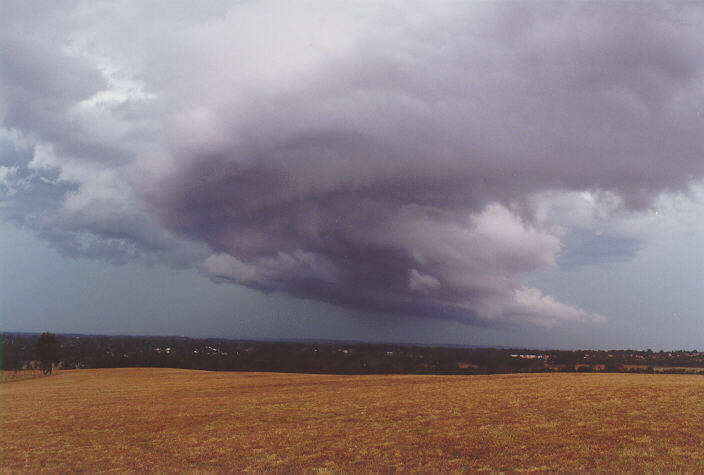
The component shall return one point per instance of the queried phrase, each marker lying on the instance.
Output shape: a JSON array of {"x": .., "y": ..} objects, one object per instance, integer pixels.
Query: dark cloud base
[{"x": 384, "y": 160}]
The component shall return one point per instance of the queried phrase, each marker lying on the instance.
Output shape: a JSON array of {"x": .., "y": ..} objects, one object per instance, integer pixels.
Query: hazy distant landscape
[{"x": 333, "y": 357}]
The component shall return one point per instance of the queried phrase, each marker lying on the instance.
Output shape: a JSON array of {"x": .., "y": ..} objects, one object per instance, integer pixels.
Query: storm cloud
[{"x": 390, "y": 158}]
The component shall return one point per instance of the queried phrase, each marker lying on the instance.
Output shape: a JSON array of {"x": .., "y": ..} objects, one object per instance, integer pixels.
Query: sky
[{"x": 486, "y": 173}]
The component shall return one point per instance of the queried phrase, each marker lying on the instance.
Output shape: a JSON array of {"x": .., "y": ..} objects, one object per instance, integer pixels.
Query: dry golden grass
[
  {"x": 21, "y": 375},
  {"x": 159, "y": 419}
]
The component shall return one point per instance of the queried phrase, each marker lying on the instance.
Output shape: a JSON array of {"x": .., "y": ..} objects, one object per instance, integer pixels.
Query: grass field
[
  {"x": 157, "y": 419},
  {"x": 10, "y": 376}
]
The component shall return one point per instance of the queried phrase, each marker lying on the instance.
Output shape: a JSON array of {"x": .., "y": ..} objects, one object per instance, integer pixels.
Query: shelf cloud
[{"x": 386, "y": 158}]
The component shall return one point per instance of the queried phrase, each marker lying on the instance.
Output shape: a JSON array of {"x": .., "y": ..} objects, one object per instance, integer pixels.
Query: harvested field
[
  {"x": 21, "y": 375},
  {"x": 157, "y": 419}
]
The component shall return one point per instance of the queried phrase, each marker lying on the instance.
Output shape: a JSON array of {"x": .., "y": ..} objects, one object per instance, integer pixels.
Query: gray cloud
[
  {"x": 586, "y": 247},
  {"x": 378, "y": 157}
]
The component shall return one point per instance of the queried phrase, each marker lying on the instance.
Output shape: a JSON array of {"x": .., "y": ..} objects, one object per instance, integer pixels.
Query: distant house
[{"x": 529, "y": 357}]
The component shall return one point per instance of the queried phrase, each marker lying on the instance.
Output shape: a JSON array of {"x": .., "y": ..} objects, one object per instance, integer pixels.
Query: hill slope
[{"x": 154, "y": 419}]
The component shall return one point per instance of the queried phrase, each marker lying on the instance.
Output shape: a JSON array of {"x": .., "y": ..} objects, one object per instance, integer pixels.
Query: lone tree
[{"x": 48, "y": 351}]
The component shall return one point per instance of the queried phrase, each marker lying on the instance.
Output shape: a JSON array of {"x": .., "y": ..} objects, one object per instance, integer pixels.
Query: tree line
[{"x": 47, "y": 351}]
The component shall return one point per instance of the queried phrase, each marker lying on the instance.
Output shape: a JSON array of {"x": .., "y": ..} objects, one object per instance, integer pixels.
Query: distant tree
[
  {"x": 612, "y": 366},
  {"x": 10, "y": 357},
  {"x": 48, "y": 351}
]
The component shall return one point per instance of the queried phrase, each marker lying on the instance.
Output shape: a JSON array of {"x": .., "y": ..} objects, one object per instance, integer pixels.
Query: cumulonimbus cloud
[{"x": 380, "y": 157}]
